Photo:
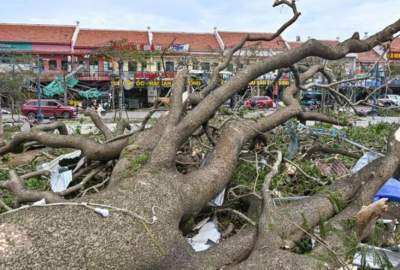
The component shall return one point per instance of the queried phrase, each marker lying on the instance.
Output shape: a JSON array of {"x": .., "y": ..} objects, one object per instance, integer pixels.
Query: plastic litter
[
  {"x": 375, "y": 257},
  {"x": 390, "y": 190},
  {"x": 60, "y": 181},
  {"x": 102, "y": 212},
  {"x": 207, "y": 237},
  {"x": 59, "y": 177},
  {"x": 219, "y": 200},
  {"x": 41, "y": 202},
  {"x": 365, "y": 160}
]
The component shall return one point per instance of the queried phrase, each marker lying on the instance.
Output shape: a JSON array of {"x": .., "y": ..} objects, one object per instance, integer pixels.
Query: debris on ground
[
  {"x": 60, "y": 176},
  {"x": 390, "y": 190},
  {"x": 332, "y": 167},
  {"x": 372, "y": 257},
  {"x": 365, "y": 160},
  {"x": 208, "y": 236}
]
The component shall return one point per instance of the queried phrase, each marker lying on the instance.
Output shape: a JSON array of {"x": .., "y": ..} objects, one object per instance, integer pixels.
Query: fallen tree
[{"x": 148, "y": 198}]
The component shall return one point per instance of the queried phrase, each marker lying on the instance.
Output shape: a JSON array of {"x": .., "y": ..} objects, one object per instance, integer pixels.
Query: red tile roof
[
  {"x": 36, "y": 33},
  {"x": 197, "y": 41},
  {"x": 295, "y": 44},
  {"x": 93, "y": 38},
  {"x": 230, "y": 39},
  {"x": 368, "y": 57},
  {"x": 395, "y": 45}
]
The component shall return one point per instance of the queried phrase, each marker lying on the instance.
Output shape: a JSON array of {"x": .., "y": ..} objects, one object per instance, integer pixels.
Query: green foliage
[
  {"x": 138, "y": 162},
  {"x": 337, "y": 201},
  {"x": 246, "y": 173},
  {"x": 303, "y": 246},
  {"x": 37, "y": 184}
]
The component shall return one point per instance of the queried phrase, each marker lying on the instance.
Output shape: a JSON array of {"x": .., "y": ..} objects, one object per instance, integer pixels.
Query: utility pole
[
  {"x": 65, "y": 89},
  {"x": 39, "y": 115},
  {"x": 121, "y": 87}
]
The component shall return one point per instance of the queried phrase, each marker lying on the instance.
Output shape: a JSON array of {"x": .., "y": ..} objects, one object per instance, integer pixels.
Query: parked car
[
  {"x": 49, "y": 108},
  {"x": 259, "y": 102},
  {"x": 389, "y": 100},
  {"x": 4, "y": 111}
]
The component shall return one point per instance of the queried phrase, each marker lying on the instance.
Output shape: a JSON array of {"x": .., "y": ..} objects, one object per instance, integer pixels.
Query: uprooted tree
[{"x": 148, "y": 198}]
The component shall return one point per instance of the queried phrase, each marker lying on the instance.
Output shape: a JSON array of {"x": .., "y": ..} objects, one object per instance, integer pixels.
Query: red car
[
  {"x": 259, "y": 102},
  {"x": 49, "y": 108}
]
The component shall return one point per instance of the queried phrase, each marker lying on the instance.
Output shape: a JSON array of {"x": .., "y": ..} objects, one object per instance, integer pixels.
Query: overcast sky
[{"x": 324, "y": 19}]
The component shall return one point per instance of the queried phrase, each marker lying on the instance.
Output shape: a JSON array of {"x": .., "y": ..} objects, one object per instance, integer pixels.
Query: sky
[{"x": 322, "y": 19}]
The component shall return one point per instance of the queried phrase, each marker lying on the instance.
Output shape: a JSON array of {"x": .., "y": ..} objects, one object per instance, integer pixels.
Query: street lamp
[{"x": 37, "y": 69}]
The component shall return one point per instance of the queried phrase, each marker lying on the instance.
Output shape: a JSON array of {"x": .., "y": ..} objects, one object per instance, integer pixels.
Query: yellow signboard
[
  {"x": 394, "y": 56},
  {"x": 168, "y": 83},
  {"x": 268, "y": 82},
  {"x": 158, "y": 83}
]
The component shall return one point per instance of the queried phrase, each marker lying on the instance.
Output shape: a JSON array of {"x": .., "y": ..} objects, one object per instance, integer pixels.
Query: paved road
[
  {"x": 133, "y": 115},
  {"x": 138, "y": 115}
]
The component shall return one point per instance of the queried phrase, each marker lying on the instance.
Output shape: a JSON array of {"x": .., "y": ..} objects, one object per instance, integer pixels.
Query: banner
[
  {"x": 15, "y": 47},
  {"x": 394, "y": 56}
]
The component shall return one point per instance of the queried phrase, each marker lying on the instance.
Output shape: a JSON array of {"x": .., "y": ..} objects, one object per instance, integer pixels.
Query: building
[{"x": 62, "y": 49}]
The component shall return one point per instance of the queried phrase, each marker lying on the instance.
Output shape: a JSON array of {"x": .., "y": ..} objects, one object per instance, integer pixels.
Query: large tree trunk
[{"x": 148, "y": 198}]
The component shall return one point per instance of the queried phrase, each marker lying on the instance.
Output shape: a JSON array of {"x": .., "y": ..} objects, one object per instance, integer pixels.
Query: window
[
  {"x": 230, "y": 67},
  {"x": 52, "y": 103},
  {"x": 52, "y": 65},
  {"x": 144, "y": 66},
  {"x": 64, "y": 65},
  {"x": 106, "y": 66},
  {"x": 205, "y": 66},
  {"x": 132, "y": 66},
  {"x": 33, "y": 103},
  {"x": 169, "y": 66},
  {"x": 159, "y": 66}
]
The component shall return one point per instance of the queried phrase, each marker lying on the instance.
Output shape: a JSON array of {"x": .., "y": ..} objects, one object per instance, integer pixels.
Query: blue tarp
[{"x": 390, "y": 190}]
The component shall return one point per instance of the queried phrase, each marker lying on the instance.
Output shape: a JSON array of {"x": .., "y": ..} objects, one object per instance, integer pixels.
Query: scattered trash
[
  {"x": 60, "y": 177},
  {"x": 317, "y": 234},
  {"x": 290, "y": 169},
  {"x": 207, "y": 237},
  {"x": 103, "y": 212},
  {"x": 60, "y": 181},
  {"x": 333, "y": 168},
  {"x": 201, "y": 224},
  {"x": 41, "y": 202},
  {"x": 376, "y": 257},
  {"x": 219, "y": 200},
  {"x": 365, "y": 160},
  {"x": 390, "y": 190}
]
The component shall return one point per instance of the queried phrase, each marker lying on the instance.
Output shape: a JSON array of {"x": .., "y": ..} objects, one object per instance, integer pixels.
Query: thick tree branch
[
  {"x": 60, "y": 126},
  {"x": 16, "y": 187},
  {"x": 213, "y": 83},
  {"x": 91, "y": 149},
  {"x": 203, "y": 111},
  {"x": 99, "y": 123},
  {"x": 320, "y": 148},
  {"x": 165, "y": 152}
]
